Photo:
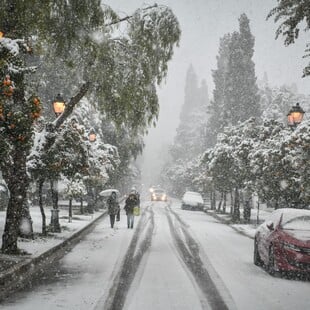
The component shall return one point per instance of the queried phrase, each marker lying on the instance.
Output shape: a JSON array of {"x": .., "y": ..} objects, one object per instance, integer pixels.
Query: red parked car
[{"x": 282, "y": 242}]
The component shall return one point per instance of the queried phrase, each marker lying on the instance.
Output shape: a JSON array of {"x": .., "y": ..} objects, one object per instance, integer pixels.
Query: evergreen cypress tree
[
  {"x": 235, "y": 96},
  {"x": 241, "y": 98},
  {"x": 191, "y": 90},
  {"x": 217, "y": 119},
  {"x": 188, "y": 142}
]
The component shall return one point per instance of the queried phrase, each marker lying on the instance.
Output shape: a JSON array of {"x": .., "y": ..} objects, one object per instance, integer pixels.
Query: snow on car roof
[
  {"x": 192, "y": 193},
  {"x": 288, "y": 214},
  {"x": 192, "y": 197}
]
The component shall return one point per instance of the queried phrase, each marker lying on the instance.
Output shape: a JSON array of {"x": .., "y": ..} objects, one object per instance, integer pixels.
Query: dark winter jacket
[
  {"x": 113, "y": 205},
  {"x": 131, "y": 202}
]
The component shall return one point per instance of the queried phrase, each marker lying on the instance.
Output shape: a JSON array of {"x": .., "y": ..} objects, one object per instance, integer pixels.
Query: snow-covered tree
[
  {"x": 292, "y": 14},
  {"x": 190, "y": 139},
  {"x": 217, "y": 120},
  {"x": 228, "y": 162},
  {"x": 235, "y": 96},
  {"x": 75, "y": 189},
  {"x": 269, "y": 159},
  {"x": 280, "y": 163},
  {"x": 122, "y": 72},
  {"x": 241, "y": 95},
  {"x": 277, "y": 101}
]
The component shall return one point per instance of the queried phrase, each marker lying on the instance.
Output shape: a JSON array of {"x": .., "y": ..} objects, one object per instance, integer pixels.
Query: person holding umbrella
[{"x": 113, "y": 207}]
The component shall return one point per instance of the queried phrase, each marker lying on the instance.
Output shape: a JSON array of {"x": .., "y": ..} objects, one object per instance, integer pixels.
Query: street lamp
[
  {"x": 1, "y": 34},
  {"x": 59, "y": 105},
  {"x": 92, "y": 136},
  {"x": 91, "y": 192},
  {"x": 295, "y": 116}
]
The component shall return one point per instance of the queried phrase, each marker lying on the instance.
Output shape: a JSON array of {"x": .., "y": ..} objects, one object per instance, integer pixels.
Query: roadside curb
[
  {"x": 19, "y": 275},
  {"x": 229, "y": 223}
]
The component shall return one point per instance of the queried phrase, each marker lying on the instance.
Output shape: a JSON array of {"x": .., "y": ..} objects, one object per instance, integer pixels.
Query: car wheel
[
  {"x": 271, "y": 261},
  {"x": 257, "y": 260}
]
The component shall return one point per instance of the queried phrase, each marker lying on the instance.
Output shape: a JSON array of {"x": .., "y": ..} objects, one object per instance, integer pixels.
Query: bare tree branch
[
  {"x": 130, "y": 16},
  {"x": 70, "y": 106}
]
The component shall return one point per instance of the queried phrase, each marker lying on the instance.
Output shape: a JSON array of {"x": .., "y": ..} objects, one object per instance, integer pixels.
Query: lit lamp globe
[
  {"x": 295, "y": 115},
  {"x": 1, "y": 34},
  {"x": 59, "y": 105},
  {"x": 92, "y": 136}
]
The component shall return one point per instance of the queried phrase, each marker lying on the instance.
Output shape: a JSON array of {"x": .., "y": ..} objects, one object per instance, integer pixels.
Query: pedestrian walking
[
  {"x": 131, "y": 202},
  {"x": 113, "y": 207}
]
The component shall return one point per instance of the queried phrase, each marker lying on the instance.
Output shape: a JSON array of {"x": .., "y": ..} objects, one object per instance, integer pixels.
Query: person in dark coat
[
  {"x": 113, "y": 207},
  {"x": 130, "y": 203}
]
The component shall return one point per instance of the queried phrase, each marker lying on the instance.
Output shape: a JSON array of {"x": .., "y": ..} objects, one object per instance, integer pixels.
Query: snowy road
[
  {"x": 173, "y": 259},
  {"x": 162, "y": 281},
  {"x": 230, "y": 255}
]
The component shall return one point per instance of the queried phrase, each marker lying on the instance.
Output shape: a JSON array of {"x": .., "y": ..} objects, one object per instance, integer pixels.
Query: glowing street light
[
  {"x": 92, "y": 136},
  {"x": 59, "y": 105},
  {"x": 295, "y": 116}
]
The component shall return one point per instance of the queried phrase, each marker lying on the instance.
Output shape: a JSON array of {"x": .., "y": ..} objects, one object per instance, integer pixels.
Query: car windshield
[
  {"x": 159, "y": 191},
  {"x": 298, "y": 223}
]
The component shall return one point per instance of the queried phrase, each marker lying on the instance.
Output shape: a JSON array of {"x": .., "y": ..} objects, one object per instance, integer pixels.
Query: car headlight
[{"x": 292, "y": 247}]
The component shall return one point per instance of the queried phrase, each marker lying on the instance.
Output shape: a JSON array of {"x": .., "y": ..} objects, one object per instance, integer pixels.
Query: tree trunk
[
  {"x": 224, "y": 204},
  {"x": 81, "y": 206},
  {"x": 213, "y": 200},
  {"x": 15, "y": 172},
  {"x": 247, "y": 208},
  {"x": 90, "y": 200},
  {"x": 44, "y": 230},
  {"x": 70, "y": 210},
  {"x": 96, "y": 206},
  {"x": 54, "y": 195},
  {"x": 26, "y": 227},
  {"x": 17, "y": 182},
  {"x": 55, "y": 226},
  {"x": 220, "y": 203},
  {"x": 236, "y": 212}
]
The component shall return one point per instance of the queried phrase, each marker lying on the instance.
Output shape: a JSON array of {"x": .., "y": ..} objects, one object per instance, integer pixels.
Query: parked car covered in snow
[
  {"x": 192, "y": 201},
  {"x": 282, "y": 242}
]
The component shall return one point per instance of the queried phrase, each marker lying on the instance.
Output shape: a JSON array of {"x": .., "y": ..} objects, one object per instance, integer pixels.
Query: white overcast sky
[{"x": 203, "y": 23}]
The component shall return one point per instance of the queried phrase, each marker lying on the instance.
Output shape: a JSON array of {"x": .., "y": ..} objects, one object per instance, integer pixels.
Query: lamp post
[
  {"x": 91, "y": 192},
  {"x": 295, "y": 116},
  {"x": 59, "y": 105}
]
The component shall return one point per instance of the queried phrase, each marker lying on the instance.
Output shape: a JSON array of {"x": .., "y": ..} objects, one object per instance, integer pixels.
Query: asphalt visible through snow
[
  {"x": 172, "y": 274},
  {"x": 189, "y": 251}
]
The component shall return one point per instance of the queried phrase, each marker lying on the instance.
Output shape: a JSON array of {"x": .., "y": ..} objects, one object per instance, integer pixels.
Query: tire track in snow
[
  {"x": 189, "y": 251},
  {"x": 137, "y": 248}
]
